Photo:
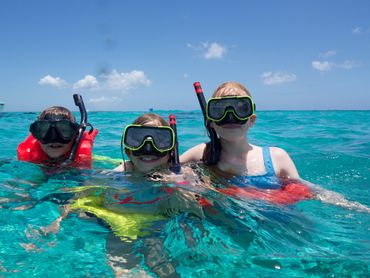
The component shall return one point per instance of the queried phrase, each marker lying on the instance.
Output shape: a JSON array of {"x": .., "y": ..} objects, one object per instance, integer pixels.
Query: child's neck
[{"x": 236, "y": 147}]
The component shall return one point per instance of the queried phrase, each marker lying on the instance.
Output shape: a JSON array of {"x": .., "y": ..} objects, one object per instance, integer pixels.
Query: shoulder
[
  {"x": 126, "y": 166},
  {"x": 283, "y": 164},
  {"x": 278, "y": 153},
  {"x": 193, "y": 154}
]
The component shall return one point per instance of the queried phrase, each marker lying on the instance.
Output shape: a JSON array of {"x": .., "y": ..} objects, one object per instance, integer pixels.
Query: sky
[{"x": 136, "y": 55}]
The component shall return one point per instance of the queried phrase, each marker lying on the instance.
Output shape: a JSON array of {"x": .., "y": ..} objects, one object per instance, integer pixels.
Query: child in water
[
  {"x": 230, "y": 114},
  {"x": 148, "y": 142},
  {"x": 130, "y": 212},
  {"x": 252, "y": 172},
  {"x": 57, "y": 140}
]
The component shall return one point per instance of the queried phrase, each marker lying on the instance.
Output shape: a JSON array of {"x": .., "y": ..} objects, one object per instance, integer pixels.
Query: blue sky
[{"x": 133, "y": 55}]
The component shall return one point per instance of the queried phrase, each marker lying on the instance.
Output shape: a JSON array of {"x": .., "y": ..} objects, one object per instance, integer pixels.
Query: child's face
[
  {"x": 233, "y": 131},
  {"x": 146, "y": 163},
  {"x": 56, "y": 150}
]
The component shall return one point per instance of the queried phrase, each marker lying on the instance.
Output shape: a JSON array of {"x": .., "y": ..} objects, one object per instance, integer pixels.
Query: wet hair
[
  {"x": 58, "y": 111},
  {"x": 228, "y": 88},
  {"x": 151, "y": 117}
]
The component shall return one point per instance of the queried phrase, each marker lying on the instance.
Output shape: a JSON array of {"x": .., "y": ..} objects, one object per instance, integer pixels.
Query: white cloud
[
  {"x": 112, "y": 81},
  {"x": 210, "y": 51},
  {"x": 104, "y": 100},
  {"x": 271, "y": 78},
  {"x": 186, "y": 75},
  {"x": 124, "y": 81},
  {"x": 329, "y": 53},
  {"x": 89, "y": 82},
  {"x": 328, "y": 66},
  {"x": 53, "y": 81},
  {"x": 349, "y": 64},
  {"x": 322, "y": 66},
  {"x": 214, "y": 51}
]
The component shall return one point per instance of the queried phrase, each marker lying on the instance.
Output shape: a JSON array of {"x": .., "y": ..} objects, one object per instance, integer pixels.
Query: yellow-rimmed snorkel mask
[
  {"x": 141, "y": 140},
  {"x": 231, "y": 109}
]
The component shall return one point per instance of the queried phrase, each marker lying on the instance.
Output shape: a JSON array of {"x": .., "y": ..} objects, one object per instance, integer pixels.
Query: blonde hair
[
  {"x": 58, "y": 111},
  {"x": 151, "y": 117},
  {"x": 231, "y": 88}
]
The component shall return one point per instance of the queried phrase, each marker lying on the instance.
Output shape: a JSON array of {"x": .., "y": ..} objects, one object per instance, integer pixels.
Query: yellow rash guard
[{"x": 126, "y": 226}]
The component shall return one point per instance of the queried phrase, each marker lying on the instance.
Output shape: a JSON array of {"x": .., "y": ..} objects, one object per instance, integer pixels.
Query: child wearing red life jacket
[{"x": 56, "y": 139}]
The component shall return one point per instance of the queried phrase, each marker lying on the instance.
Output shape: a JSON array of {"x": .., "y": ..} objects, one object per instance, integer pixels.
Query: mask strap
[{"x": 175, "y": 161}]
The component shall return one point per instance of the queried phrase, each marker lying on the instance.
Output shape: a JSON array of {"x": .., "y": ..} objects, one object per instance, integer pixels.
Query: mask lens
[
  {"x": 54, "y": 131},
  {"x": 66, "y": 129},
  {"x": 217, "y": 108},
  {"x": 162, "y": 138},
  {"x": 243, "y": 107},
  {"x": 39, "y": 129}
]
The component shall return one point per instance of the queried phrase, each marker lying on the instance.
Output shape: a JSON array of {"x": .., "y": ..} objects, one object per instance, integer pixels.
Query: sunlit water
[{"x": 236, "y": 238}]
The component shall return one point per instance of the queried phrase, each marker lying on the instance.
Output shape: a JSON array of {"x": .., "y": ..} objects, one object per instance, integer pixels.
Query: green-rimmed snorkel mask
[
  {"x": 148, "y": 140},
  {"x": 230, "y": 110}
]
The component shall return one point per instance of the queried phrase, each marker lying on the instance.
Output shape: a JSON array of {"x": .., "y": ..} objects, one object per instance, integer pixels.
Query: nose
[
  {"x": 148, "y": 147},
  {"x": 52, "y": 134}
]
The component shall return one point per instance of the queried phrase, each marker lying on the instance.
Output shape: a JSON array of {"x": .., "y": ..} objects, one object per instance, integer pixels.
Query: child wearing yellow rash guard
[{"x": 130, "y": 214}]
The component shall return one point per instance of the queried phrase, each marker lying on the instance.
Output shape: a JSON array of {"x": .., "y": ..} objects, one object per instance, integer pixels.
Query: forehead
[{"x": 230, "y": 91}]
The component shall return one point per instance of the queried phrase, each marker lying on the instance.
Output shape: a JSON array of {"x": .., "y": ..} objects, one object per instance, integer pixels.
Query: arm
[
  {"x": 195, "y": 154},
  {"x": 283, "y": 164}
]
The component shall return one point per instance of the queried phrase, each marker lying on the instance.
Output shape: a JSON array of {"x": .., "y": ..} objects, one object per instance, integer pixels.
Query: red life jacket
[{"x": 30, "y": 150}]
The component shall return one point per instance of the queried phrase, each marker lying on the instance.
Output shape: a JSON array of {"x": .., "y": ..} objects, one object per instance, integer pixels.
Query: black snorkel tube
[
  {"x": 174, "y": 160},
  {"x": 83, "y": 124},
  {"x": 214, "y": 153}
]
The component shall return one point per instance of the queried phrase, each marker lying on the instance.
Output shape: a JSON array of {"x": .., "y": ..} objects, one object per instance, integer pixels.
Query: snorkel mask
[
  {"x": 230, "y": 110},
  {"x": 153, "y": 140},
  {"x": 149, "y": 140},
  {"x": 54, "y": 129},
  {"x": 60, "y": 129}
]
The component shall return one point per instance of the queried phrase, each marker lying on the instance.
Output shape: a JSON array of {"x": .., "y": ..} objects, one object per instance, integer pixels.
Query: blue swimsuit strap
[{"x": 267, "y": 160}]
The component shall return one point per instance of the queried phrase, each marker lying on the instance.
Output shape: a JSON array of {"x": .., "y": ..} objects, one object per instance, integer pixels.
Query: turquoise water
[{"x": 311, "y": 238}]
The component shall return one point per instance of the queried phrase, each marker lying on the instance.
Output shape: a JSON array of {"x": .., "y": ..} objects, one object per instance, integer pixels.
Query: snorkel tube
[
  {"x": 83, "y": 124},
  {"x": 175, "y": 160},
  {"x": 214, "y": 153}
]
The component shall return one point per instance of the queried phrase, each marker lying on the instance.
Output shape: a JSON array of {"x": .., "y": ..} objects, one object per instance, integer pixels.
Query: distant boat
[
  {"x": 2, "y": 104},
  {"x": 151, "y": 109}
]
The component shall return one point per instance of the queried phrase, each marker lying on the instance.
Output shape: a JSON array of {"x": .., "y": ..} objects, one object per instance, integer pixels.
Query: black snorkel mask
[
  {"x": 54, "y": 129},
  {"x": 59, "y": 129}
]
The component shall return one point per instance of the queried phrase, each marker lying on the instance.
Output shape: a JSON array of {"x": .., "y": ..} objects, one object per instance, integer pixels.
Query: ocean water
[{"x": 244, "y": 238}]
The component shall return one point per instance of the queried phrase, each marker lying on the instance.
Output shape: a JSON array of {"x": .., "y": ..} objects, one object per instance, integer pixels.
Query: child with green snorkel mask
[
  {"x": 229, "y": 114},
  {"x": 149, "y": 142}
]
